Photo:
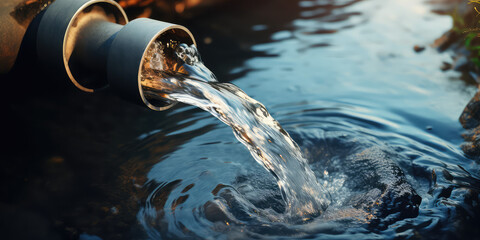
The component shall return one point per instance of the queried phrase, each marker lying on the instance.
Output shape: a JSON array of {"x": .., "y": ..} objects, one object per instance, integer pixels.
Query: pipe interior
[{"x": 174, "y": 34}]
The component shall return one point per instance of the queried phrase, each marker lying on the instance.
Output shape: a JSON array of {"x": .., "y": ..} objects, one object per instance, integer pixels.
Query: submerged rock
[
  {"x": 470, "y": 120},
  {"x": 369, "y": 172}
]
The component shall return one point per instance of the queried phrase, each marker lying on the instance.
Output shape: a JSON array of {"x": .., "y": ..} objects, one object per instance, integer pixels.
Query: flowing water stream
[{"x": 175, "y": 72}]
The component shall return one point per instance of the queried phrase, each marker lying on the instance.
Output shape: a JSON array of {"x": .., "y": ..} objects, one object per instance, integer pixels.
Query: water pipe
[{"x": 93, "y": 41}]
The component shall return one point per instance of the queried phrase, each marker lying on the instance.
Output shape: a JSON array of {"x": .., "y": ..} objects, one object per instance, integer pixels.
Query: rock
[
  {"x": 446, "y": 66},
  {"x": 418, "y": 48},
  {"x": 372, "y": 179}
]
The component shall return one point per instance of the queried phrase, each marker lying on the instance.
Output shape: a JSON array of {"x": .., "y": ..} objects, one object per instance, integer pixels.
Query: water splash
[{"x": 181, "y": 76}]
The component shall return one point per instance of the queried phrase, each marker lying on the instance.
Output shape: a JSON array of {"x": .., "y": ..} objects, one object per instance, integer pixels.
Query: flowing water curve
[{"x": 189, "y": 81}]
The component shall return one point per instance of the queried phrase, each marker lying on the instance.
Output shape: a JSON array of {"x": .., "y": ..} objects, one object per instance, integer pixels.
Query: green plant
[{"x": 471, "y": 32}]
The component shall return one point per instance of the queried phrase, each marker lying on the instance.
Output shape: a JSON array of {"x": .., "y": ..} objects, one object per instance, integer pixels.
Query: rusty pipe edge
[
  {"x": 97, "y": 46},
  {"x": 15, "y": 17}
]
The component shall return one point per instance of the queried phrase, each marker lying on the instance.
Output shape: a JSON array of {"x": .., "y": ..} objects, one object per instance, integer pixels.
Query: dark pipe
[
  {"x": 93, "y": 41},
  {"x": 91, "y": 51},
  {"x": 60, "y": 30}
]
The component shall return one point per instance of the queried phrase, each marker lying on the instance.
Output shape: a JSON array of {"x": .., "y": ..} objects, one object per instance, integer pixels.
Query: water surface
[{"x": 377, "y": 121}]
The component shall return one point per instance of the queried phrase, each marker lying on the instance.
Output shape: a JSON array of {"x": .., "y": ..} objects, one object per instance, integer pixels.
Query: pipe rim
[
  {"x": 140, "y": 67},
  {"x": 67, "y": 32}
]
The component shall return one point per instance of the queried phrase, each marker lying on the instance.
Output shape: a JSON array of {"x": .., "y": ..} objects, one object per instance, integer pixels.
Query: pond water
[{"x": 377, "y": 122}]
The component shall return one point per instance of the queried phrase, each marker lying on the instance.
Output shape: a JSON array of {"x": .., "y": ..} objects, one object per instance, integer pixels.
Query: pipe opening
[{"x": 169, "y": 38}]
